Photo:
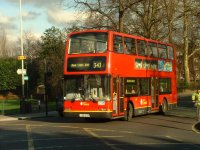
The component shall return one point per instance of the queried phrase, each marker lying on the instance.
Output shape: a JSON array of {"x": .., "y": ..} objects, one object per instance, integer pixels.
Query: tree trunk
[{"x": 185, "y": 37}]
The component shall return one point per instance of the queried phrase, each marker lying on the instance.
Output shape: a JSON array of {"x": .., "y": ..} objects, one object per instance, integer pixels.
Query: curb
[
  {"x": 25, "y": 118},
  {"x": 35, "y": 117},
  {"x": 179, "y": 115},
  {"x": 196, "y": 127},
  {"x": 28, "y": 116},
  {"x": 9, "y": 119}
]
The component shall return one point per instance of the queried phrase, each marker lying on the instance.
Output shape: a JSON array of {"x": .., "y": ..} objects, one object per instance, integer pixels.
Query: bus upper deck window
[
  {"x": 118, "y": 44},
  {"x": 141, "y": 47},
  {"x": 129, "y": 45},
  {"x": 152, "y": 49},
  {"x": 88, "y": 42},
  {"x": 162, "y": 49},
  {"x": 170, "y": 52}
]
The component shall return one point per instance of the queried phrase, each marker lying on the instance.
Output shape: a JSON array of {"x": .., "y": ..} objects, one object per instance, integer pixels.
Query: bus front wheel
[{"x": 129, "y": 112}]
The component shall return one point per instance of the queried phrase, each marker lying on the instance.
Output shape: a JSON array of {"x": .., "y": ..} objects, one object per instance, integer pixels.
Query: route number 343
[{"x": 97, "y": 65}]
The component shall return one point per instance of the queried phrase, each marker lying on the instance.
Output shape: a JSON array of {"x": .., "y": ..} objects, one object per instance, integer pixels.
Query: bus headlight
[
  {"x": 103, "y": 109},
  {"x": 67, "y": 110}
]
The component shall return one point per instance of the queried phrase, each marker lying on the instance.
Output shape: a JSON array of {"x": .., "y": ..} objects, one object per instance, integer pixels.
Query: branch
[
  {"x": 194, "y": 52},
  {"x": 95, "y": 9},
  {"x": 131, "y": 4}
]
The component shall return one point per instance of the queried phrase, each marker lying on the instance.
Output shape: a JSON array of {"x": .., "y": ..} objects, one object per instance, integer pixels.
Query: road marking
[
  {"x": 112, "y": 146},
  {"x": 167, "y": 143},
  {"x": 96, "y": 129},
  {"x": 127, "y": 132},
  {"x": 29, "y": 138},
  {"x": 75, "y": 127},
  {"x": 68, "y": 127},
  {"x": 93, "y": 129},
  {"x": 173, "y": 138},
  {"x": 111, "y": 136}
]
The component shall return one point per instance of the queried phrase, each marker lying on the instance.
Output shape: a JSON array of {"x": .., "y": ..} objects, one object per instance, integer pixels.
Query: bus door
[
  {"x": 118, "y": 96},
  {"x": 154, "y": 93}
]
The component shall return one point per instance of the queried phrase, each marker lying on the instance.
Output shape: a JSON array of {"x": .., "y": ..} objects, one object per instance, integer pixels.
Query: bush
[{"x": 9, "y": 77}]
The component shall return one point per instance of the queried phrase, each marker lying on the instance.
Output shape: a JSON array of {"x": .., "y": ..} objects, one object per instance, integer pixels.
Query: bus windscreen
[{"x": 91, "y": 42}]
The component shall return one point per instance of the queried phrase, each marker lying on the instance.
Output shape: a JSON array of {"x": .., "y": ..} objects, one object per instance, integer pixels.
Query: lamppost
[{"x": 22, "y": 60}]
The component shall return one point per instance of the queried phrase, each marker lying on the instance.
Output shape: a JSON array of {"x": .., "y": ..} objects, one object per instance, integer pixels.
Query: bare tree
[
  {"x": 182, "y": 26},
  {"x": 30, "y": 45},
  {"x": 149, "y": 19},
  {"x": 169, "y": 8},
  {"x": 109, "y": 14},
  {"x": 194, "y": 45},
  {"x": 190, "y": 44},
  {"x": 3, "y": 42},
  {"x": 98, "y": 10}
]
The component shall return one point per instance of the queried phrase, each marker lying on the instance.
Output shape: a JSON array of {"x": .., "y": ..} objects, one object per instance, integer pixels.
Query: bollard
[
  {"x": 39, "y": 105},
  {"x": 3, "y": 110},
  {"x": 2, "y": 107}
]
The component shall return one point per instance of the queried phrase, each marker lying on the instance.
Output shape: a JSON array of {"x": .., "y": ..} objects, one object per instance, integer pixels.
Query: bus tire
[
  {"x": 60, "y": 113},
  {"x": 164, "y": 106},
  {"x": 129, "y": 112}
]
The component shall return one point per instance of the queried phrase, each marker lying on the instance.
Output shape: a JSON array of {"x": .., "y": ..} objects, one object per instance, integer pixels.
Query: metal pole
[
  {"x": 45, "y": 86},
  {"x": 22, "y": 54}
]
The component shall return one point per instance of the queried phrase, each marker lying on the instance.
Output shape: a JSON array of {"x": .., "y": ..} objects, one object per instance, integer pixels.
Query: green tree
[
  {"x": 51, "y": 56},
  {"x": 9, "y": 78}
]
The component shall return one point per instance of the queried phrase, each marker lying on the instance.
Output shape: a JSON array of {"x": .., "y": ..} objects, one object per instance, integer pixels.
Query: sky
[{"x": 37, "y": 16}]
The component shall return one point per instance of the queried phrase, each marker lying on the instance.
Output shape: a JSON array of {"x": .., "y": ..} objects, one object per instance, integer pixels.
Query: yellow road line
[
  {"x": 173, "y": 138},
  {"x": 29, "y": 138},
  {"x": 113, "y": 147},
  {"x": 111, "y": 136}
]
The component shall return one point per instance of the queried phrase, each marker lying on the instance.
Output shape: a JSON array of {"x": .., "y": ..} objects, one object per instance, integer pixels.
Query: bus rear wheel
[
  {"x": 164, "y": 107},
  {"x": 129, "y": 112}
]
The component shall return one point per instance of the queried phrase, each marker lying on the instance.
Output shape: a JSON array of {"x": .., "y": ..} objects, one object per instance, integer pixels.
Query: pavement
[
  {"x": 186, "y": 112},
  {"x": 28, "y": 116}
]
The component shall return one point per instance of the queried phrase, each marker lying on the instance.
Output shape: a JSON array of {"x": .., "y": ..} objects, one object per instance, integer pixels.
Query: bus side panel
[{"x": 141, "y": 105}]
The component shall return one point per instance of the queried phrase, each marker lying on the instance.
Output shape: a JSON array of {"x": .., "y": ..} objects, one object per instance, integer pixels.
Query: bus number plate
[{"x": 84, "y": 115}]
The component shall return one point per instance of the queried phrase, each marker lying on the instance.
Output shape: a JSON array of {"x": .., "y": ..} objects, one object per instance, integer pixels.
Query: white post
[
  {"x": 22, "y": 101},
  {"x": 22, "y": 50}
]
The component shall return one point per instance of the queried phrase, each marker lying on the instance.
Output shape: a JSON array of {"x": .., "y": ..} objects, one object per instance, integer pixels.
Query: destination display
[{"x": 86, "y": 64}]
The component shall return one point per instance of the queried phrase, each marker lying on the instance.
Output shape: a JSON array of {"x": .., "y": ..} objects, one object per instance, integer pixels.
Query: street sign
[
  {"x": 26, "y": 78},
  {"x": 19, "y": 71},
  {"x": 21, "y": 57}
]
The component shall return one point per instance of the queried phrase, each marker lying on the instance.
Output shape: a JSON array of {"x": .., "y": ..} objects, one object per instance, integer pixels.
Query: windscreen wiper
[
  {"x": 93, "y": 100},
  {"x": 82, "y": 92}
]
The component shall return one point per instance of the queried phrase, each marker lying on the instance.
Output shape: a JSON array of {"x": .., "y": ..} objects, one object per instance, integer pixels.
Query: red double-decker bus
[{"x": 112, "y": 75}]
